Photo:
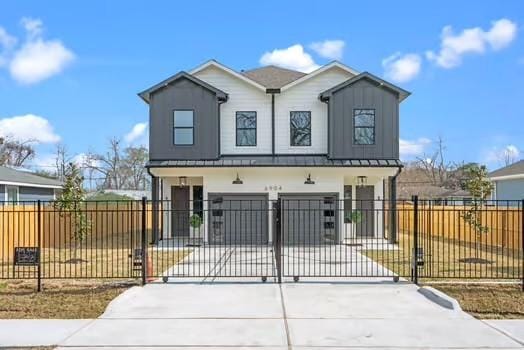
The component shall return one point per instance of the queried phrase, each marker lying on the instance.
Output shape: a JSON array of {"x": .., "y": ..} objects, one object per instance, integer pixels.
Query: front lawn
[
  {"x": 487, "y": 301},
  {"x": 58, "y": 300},
  {"x": 449, "y": 259}
]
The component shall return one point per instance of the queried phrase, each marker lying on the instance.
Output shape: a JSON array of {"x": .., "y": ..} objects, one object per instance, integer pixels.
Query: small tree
[
  {"x": 478, "y": 184},
  {"x": 68, "y": 204}
]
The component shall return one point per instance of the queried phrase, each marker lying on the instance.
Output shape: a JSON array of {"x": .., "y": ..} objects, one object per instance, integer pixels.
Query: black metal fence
[{"x": 288, "y": 238}]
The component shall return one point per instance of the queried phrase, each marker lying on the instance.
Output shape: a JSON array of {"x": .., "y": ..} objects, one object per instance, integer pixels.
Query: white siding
[
  {"x": 242, "y": 97},
  {"x": 304, "y": 97}
]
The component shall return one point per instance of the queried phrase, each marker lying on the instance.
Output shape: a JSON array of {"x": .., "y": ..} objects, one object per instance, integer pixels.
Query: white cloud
[
  {"x": 137, "y": 132},
  {"x": 33, "y": 26},
  {"x": 401, "y": 68},
  {"x": 414, "y": 148},
  {"x": 28, "y": 127},
  {"x": 293, "y": 57},
  {"x": 6, "y": 43},
  {"x": 331, "y": 49},
  {"x": 472, "y": 41},
  {"x": 36, "y": 59}
]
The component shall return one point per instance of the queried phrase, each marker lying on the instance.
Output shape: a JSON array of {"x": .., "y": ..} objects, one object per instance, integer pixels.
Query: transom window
[
  {"x": 183, "y": 127},
  {"x": 300, "y": 127},
  {"x": 246, "y": 123},
  {"x": 364, "y": 126}
]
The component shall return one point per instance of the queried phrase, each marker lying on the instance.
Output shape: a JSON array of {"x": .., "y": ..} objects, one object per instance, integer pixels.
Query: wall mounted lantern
[
  {"x": 182, "y": 181},
  {"x": 237, "y": 181},
  {"x": 309, "y": 181},
  {"x": 362, "y": 181}
]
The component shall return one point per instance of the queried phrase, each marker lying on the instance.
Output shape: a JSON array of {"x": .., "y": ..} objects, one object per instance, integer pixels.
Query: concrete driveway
[{"x": 350, "y": 314}]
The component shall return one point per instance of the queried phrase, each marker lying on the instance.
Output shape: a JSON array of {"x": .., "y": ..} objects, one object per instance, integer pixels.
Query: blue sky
[{"x": 72, "y": 69}]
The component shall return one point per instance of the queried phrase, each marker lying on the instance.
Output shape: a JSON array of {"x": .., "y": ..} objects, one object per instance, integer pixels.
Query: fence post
[
  {"x": 39, "y": 244},
  {"x": 414, "y": 268},
  {"x": 277, "y": 240},
  {"x": 144, "y": 242}
]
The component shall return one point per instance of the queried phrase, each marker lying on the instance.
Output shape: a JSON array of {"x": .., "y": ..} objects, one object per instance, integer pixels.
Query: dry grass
[
  {"x": 58, "y": 300},
  {"x": 442, "y": 259},
  {"x": 110, "y": 257},
  {"x": 487, "y": 301}
]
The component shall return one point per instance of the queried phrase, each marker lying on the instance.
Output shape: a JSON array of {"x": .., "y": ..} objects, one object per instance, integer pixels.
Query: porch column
[
  {"x": 392, "y": 209},
  {"x": 155, "y": 207}
]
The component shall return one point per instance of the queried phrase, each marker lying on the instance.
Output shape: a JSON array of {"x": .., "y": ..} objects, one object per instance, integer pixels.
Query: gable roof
[
  {"x": 370, "y": 77},
  {"x": 234, "y": 73},
  {"x": 273, "y": 77},
  {"x": 146, "y": 94},
  {"x": 513, "y": 170},
  {"x": 10, "y": 176},
  {"x": 333, "y": 64}
]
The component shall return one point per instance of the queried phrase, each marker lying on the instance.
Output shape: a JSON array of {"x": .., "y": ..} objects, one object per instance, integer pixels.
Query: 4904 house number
[{"x": 273, "y": 188}]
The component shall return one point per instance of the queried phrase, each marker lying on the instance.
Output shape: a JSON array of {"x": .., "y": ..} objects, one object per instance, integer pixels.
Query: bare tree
[
  {"x": 509, "y": 156},
  {"x": 435, "y": 165},
  {"x": 108, "y": 165},
  {"x": 133, "y": 167},
  {"x": 62, "y": 159},
  {"x": 15, "y": 153}
]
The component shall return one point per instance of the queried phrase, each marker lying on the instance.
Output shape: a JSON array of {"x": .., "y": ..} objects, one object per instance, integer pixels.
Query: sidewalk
[{"x": 253, "y": 315}]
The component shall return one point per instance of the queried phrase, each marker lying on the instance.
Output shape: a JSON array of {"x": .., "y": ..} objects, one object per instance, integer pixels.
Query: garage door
[
  {"x": 309, "y": 218},
  {"x": 238, "y": 218}
]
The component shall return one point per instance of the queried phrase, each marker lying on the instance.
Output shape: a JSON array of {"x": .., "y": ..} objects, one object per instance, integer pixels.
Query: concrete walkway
[{"x": 350, "y": 314}]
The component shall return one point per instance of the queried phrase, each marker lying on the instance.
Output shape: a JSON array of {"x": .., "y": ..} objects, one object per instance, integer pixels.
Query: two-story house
[{"x": 218, "y": 135}]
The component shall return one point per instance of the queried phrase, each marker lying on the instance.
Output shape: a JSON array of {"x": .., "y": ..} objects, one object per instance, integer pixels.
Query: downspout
[
  {"x": 273, "y": 92},
  {"x": 273, "y": 124},
  {"x": 393, "y": 207}
]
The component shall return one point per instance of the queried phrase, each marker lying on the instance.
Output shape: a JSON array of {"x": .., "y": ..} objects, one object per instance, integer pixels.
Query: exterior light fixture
[
  {"x": 182, "y": 181},
  {"x": 309, "y": 181},
  {"x": 237, "y": 181},
  {"x": 362, "y": 181}
]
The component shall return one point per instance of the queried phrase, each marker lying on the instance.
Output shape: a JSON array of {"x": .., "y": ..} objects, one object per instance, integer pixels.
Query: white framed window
[
  {"x": 11, "y": 194},
  {"x": 183, "y": 123}
]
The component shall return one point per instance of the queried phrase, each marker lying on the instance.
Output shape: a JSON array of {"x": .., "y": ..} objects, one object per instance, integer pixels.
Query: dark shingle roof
[
  {"x": 276, "y": 161},
  {"x": 18, "y": 176},
  {"x": 273, "y": 77},
  {"x": 512, "y": 169}
]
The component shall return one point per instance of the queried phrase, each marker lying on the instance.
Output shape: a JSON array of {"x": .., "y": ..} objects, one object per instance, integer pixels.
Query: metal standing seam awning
[{"x": 274, "y": 161}]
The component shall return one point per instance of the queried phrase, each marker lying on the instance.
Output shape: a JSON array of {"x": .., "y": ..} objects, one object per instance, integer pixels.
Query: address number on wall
[{"x": 273, "y": 188}]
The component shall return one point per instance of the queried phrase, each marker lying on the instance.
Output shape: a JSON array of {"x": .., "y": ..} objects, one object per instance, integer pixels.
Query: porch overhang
[{"x": 275, "y": 161}]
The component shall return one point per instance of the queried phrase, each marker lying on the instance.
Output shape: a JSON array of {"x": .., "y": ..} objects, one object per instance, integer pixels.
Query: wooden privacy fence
[
  {"x": 107, "y": 220},
  {"x": 503, "y": 224}
]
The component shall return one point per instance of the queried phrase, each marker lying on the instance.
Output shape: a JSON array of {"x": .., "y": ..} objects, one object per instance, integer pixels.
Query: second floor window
[
  {"x": 300, "y": 127},
  {"x": 364, "y": 126},
  {"x": 183, "y": 122},
  {"x": 246, "y": 123}
]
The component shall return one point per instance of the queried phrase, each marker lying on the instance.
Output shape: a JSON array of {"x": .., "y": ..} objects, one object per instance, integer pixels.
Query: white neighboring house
[
  {"x": 19, "y": 186},
  {"x": 219, "y": 134},
  {"x": 509, "y": 182}
]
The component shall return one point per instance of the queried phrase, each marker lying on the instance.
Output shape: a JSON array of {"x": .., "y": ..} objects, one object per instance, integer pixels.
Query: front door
[
  {"x": 180, "y": 211},
  {"x": 365, "y": 205}
]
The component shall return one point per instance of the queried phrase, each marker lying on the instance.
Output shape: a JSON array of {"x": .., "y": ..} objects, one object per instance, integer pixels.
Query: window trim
[
  {"x": 365, "y": 127},
  {"x": 184, "y": 127},
  {"x": 6, "y": 197},
  {"x": 291, "y": 131},
  {"x": 237, "y": 128}
]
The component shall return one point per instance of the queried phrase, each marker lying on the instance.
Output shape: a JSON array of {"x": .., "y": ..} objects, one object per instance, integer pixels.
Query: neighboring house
[
  {"x": 219, "y": 134},
  {"x": 509, "y": 182},
  {"x": 439, "y": 195},
  {"x": 17, "y": 186},
  {"x": 133, "y": 194}
]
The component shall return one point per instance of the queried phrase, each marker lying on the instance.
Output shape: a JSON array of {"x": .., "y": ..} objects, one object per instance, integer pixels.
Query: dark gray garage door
[
  {"x": 309, "y": 218},
  {"x": 238, "y": 218}
]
